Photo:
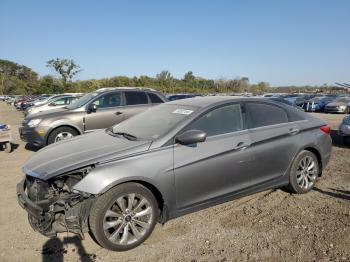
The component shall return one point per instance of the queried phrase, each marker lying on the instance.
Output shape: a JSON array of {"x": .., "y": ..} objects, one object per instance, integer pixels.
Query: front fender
[
  {"x": 62, "y": 122},
  {"x": 153, "y": 167}
]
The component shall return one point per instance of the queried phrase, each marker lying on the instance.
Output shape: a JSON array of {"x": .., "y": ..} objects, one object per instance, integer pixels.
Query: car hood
[
  {"x": 80, "y": 151},
  {"x": 46, "y": 114}
]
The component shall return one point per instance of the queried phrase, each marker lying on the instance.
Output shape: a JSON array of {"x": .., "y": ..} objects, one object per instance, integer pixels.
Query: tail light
[{"x": 325, "y": 129}]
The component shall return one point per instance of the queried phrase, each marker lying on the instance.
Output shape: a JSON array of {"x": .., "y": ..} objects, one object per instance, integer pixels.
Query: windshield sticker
[{"x": 183, "y": 111}]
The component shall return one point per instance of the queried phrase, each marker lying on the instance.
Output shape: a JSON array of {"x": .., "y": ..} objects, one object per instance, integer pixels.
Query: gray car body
[{"x": 183, "y": 175}]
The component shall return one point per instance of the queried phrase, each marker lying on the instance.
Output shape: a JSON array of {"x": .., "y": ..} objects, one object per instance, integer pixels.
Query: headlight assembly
[{"x": 34, "y": 122}]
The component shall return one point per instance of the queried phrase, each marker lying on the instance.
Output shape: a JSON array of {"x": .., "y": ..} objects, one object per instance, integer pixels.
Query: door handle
[
  {"x": 241, "y": 146},
  {"x": 293, "y": 131},
  {"x": 118, "y": 113}
]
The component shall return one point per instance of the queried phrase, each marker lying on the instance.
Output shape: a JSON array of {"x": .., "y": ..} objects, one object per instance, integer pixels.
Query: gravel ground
[{"x": 270, "y": 226}]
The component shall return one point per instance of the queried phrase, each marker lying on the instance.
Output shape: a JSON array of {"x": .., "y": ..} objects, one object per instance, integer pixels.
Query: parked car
[
  {"x": 284, "y": 101},
  {"x": 340, "y": 105},
  {"x": 58, "y": 102},
  {"x": 344, "y": 129},
  {"x": 317, "y": 104},
  {"x": 296, "y": 99},
  {"x": 45, "y": 99},
  {"x": 168, "y": 161},
  {"x": 97, "y": 110}
]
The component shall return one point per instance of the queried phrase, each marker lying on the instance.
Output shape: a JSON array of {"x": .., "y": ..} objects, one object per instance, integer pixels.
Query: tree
[
  {"x": 164, "y": 76},
  {"x": 189, "y": 77},
  {"x": 14, "y": 76},
  {"x": 67, "y": 69},
  {"x": 165, "y": 79}
]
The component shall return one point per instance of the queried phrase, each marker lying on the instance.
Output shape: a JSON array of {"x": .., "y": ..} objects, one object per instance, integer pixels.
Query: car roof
[
  {"x": 124, "y": 88},
  {"x": 210, "y": 100}
]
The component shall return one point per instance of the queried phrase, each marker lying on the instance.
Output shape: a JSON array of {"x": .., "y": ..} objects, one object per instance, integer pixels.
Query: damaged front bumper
[{"x": 53, "y": 210}]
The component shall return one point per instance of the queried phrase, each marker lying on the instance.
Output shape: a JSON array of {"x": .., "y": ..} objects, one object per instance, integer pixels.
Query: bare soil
[{"x": 270, "y": 226}]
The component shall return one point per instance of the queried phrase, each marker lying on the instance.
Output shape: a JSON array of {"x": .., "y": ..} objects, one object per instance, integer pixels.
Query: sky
[{"x": 283, "y": 42}]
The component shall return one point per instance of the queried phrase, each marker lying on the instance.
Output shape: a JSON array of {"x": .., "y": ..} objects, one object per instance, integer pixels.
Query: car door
[
  {"x": 217, "y": 167},
  {"x": 108, "y": 113},
  {"x": 273, "y": 140}
]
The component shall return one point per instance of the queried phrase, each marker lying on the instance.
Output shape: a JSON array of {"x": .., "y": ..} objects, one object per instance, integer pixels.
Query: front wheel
[
  {"x": 61, "y": 133},
  {"x": 124, "y": 217},
  {"x": 303, "y": 173}
]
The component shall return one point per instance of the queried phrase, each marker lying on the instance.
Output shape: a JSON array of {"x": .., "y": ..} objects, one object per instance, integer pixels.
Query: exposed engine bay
[{"x": 54, "y": 206}]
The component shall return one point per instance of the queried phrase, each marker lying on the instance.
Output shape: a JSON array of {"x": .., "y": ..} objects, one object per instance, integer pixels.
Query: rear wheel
[
  {"x": 61, "y": 133},
  {"x": 304, "y": 173},
  {"x": 124, "y": 217}
]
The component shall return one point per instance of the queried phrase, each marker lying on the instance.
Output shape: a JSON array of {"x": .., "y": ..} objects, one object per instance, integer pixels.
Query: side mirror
[
  {"x": 52, "y": 104},
  {"x": 92, "y": 108},
  {"x": 192, "y": 136}
]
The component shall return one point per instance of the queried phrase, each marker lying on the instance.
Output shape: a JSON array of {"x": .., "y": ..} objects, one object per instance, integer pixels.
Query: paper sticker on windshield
[{"x": 183, "y": 111}]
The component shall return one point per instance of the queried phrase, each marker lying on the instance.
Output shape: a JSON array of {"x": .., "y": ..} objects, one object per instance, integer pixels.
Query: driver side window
[
  {"x": 222, "y": 120},
  {"x": 108, "y": 100}
]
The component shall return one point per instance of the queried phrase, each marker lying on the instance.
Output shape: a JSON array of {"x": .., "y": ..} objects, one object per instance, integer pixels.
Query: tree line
[{"x": 19, "y": 79}]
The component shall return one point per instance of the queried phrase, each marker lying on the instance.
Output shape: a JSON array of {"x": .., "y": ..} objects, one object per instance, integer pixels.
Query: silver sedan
[{"x": 168, "y": 161}]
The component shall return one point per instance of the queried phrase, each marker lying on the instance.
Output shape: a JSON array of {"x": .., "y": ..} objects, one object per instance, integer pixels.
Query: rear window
[
  {"x": 260, "y": 114},
  {"x": 155, "y": 99},
  {"x": 136, "y": 98}
]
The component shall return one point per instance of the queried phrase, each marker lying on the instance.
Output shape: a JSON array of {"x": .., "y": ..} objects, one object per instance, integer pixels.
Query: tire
[
  {"x": 302, "y": 180},
  {"x": 119, "y": 230},
  {"x": 61, "y": 133},
  {"x": 8, "y": 147}
]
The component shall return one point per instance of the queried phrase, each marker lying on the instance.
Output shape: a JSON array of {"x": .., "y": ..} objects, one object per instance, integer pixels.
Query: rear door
[
  {"x": 108, "y": 113},
  {"x": 273, "y": 140},
  {"x": 217, "y": 167}
]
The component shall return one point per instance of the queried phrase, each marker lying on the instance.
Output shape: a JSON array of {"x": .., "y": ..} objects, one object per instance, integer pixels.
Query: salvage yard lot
[{"x": 270, "y": 226}]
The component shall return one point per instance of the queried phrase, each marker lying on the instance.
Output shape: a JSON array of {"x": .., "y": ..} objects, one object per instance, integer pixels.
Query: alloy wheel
[
  {"x": 306, "y": 172},
  {"x": 128, "y": 219},
  {"x": 63, "y": 136}
]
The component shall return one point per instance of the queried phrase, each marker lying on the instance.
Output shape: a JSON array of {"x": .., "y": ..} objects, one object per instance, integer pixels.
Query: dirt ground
[{"x": 270, "y": 226}]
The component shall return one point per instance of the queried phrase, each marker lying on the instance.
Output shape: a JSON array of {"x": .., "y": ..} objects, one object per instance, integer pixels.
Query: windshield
[
  {"x": 82, "y": 101},
  {"x": 154, "y": 122}
]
